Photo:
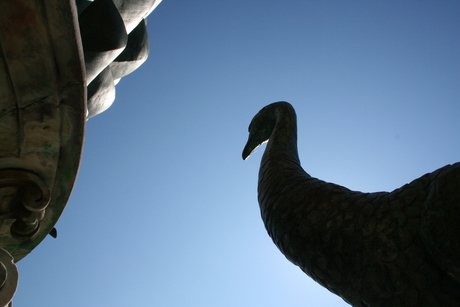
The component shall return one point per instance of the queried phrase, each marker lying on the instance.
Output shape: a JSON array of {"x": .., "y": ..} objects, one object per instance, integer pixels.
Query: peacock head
[{"x": 261, "y": 127}]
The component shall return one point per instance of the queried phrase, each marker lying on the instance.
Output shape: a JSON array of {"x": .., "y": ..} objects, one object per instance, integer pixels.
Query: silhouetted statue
[{"x": 400, "y": 248}]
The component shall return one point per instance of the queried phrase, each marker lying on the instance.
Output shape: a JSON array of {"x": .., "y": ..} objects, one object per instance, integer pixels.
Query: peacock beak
[
  {"x": 246, "y": 154},
  {"x": 251, "y": 145}
]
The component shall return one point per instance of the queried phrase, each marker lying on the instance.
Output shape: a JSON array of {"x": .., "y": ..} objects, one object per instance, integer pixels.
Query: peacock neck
[{"x": 282, "y": 144}]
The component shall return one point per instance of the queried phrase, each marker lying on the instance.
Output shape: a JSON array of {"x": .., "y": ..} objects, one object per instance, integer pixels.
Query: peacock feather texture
[{"x": 399, "y": 248}]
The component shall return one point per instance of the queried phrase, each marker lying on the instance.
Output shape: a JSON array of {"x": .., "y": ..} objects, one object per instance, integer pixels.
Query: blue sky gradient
[{"x": 164, "y": 211}]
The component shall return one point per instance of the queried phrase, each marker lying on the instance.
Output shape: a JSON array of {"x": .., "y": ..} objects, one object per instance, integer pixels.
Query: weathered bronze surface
[
  {"x": 59, "y": 63},
  {"x": 43, "y": 114}
]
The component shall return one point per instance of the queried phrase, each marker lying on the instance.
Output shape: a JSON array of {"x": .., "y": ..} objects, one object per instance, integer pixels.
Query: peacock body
[{"x": 399, "y": 248}]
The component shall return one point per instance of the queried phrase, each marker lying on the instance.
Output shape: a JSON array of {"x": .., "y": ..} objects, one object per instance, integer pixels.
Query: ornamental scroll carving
[{"x": 23, "y": 199}]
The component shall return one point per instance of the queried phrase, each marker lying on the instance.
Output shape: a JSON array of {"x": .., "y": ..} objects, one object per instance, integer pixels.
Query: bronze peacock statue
[{"x": 399, "y": 248}]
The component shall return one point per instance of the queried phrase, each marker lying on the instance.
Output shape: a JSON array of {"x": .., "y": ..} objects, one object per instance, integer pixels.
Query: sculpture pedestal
[{"x": 50, "y": 53}]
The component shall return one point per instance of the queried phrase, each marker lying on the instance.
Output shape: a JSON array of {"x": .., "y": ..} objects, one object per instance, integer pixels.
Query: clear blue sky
[{"x": 164, "y": 211}]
